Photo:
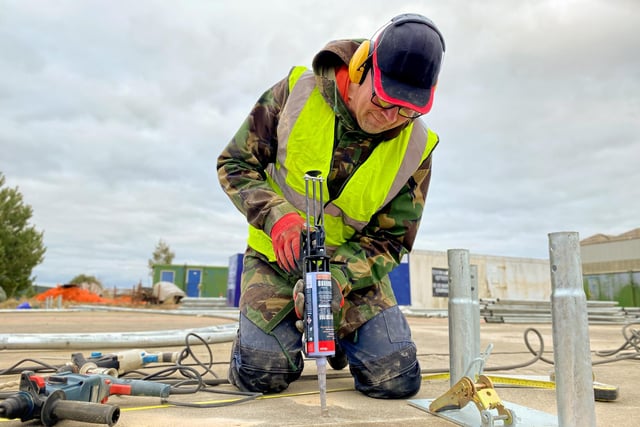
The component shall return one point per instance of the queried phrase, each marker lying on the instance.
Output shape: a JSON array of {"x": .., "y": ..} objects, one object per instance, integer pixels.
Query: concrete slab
[{"x": 300, "y": 405}]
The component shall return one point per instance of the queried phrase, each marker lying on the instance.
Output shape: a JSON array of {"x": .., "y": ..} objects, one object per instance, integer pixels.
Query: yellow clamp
[{"x": 481, "y": 393}]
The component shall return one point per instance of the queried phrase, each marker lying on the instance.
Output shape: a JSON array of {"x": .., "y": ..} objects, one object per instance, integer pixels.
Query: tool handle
[
  {"x": 139, "y": 388},
  {"x": 87, "y": 412},
  {"x": 56, "y": 408}
]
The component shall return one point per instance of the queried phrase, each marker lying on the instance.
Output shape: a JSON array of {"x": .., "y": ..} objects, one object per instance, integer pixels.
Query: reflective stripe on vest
[{"x": 305, "y": 142}]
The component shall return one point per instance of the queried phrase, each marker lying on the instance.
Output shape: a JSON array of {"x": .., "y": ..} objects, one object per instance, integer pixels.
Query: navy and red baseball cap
[{"x": 406, "y": 60}]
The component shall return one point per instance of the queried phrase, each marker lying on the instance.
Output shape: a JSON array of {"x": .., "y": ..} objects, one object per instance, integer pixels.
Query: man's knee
[
  {"x": 262, "y": 371},
  {"x": 394, "y": 376},
  {"x": 259, "y": 362},
  {"x": 383, "y": 357}
]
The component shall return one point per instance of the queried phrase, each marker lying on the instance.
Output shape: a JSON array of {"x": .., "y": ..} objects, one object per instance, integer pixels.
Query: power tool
[
  {"x": 123, "y": 361},
  {"x": 96, "y": 388},
  {"x": 319, "y": 334},
  {"x": 31, "y": 404}
]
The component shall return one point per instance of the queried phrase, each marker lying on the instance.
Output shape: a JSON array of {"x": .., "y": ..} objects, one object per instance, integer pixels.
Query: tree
[
  {"x": 21, "y": 245},
  {"x": 161, "y": 255}
]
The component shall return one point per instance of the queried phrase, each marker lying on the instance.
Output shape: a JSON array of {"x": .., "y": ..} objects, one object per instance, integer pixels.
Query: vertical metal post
[
  {"x": 571, "y": 350},
  {"x": 461, "y": 314},
  {"x": 475, "y": 302}
]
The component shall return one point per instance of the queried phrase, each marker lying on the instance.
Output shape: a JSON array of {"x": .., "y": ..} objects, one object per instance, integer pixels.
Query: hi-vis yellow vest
[{"x": 305, "y": 143}]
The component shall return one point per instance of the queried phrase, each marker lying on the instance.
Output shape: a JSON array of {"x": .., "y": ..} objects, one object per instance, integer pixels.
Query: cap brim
[{"x": 398, "y": 93}]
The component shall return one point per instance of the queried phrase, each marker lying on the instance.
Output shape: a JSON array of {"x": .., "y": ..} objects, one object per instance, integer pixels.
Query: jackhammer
[
  {"x": 30, "y": 404},
  {"x": 318, "y": 318}
]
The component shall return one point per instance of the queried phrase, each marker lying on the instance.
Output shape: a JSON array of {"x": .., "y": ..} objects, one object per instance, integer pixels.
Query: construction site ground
[{"x": 299, "y": 405}]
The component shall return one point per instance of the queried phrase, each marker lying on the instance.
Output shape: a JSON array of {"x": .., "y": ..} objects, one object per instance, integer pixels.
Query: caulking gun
[{"x": 318, "y": 319}]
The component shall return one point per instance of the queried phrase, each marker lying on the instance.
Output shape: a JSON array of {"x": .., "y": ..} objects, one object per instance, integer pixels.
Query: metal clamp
[{"x": 482, "y": 394}]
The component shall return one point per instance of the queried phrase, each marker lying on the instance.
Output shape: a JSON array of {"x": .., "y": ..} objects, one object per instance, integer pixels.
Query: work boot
[{"x": 339, "y": 360}]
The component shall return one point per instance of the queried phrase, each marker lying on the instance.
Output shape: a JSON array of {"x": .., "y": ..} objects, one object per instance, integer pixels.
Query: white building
[
  {"x": 610, "y": 266},
  {"x": 498, "y": 277}
]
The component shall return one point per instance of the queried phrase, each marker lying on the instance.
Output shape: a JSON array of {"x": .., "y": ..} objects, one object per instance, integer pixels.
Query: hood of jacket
[{"x": 334, "y": 55}]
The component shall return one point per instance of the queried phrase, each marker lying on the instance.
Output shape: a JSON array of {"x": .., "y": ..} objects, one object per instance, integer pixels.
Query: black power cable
[{"x": 183, "y": 378}]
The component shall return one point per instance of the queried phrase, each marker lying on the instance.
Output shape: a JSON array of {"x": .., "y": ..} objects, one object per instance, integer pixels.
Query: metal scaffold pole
[
  {"x": 475, "y": 302},
  {"x": 464, "y": 337},
  {"x": 571, "y": 350}
]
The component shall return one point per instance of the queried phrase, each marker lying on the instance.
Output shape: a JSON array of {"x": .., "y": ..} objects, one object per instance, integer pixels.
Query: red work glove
[{"x": 285, "y": 237}]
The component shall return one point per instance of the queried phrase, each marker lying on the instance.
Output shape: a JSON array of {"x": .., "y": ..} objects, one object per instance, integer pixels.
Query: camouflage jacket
[{"x": 362, "y": 264}]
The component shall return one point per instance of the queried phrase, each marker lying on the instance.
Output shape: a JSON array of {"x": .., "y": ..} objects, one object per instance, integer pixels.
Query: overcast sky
[{"x": 112, "y": 115}]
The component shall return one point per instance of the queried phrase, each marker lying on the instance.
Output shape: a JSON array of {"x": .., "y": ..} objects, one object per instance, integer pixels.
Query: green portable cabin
[{"x": 194, "y": 280}]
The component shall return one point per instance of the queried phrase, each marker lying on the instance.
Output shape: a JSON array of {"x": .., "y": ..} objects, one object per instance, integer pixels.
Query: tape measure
[
  {"x": 602, "y": 392},
  {"x": 605, "y": 392}
]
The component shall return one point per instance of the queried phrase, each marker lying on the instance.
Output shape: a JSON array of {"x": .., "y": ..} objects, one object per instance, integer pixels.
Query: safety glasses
[{"x": 402, "y": 111}]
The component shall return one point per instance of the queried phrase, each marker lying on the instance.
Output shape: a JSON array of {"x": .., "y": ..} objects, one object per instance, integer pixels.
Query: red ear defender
[{"x": 360, "y": 62}]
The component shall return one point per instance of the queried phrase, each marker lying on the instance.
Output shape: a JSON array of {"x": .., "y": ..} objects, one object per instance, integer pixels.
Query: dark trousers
[{"x": 381, "y": 355}]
